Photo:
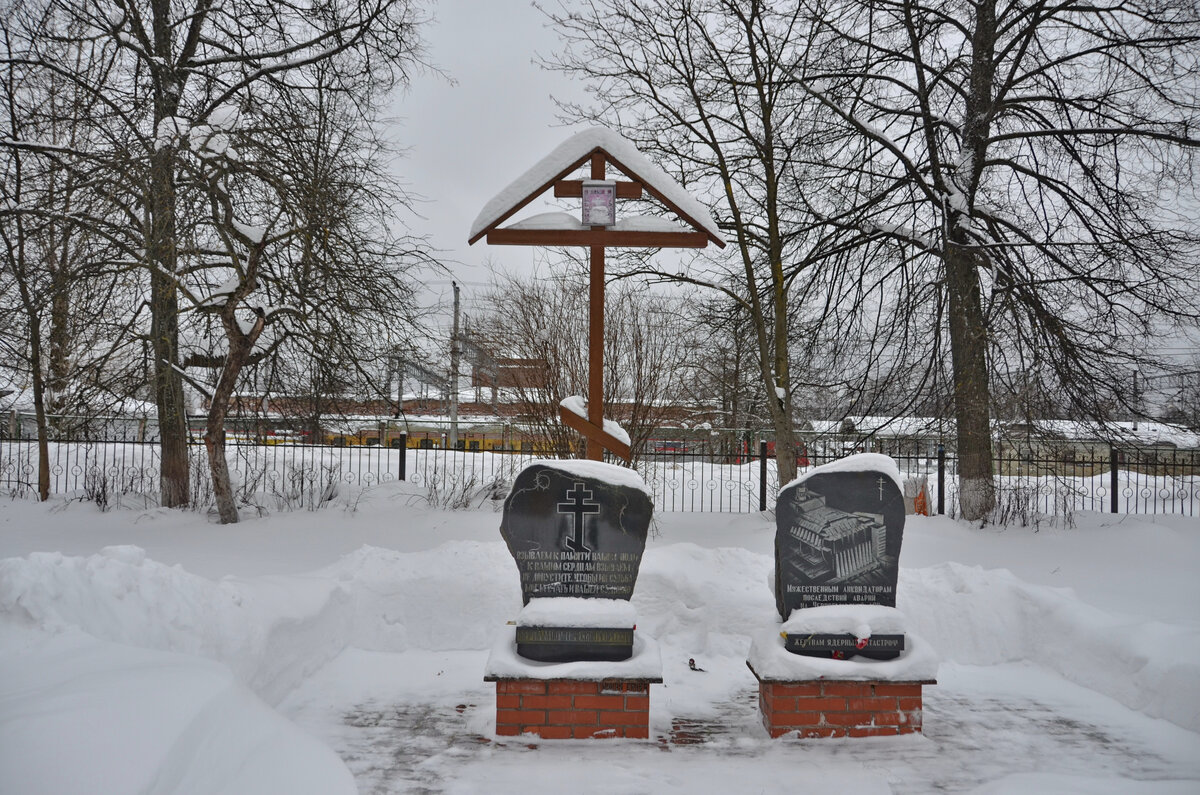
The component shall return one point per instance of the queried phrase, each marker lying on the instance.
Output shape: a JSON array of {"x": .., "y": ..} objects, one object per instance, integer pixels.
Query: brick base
[
  {"x": 560, "y": 709},
  {"x": 823, "y": 708}
]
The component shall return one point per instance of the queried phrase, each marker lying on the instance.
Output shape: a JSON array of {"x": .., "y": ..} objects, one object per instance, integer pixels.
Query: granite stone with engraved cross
[
  {"x": 837, "y": 541},
  {"x": 576, "y": 529}
]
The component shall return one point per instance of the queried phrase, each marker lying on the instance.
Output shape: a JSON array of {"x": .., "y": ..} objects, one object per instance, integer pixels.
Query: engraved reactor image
[
  {"x": 835, "y": 546},
  {"x": 838, "y": 534}
]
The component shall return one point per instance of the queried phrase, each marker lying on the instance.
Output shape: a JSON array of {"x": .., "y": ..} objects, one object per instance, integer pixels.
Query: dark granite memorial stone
[
  {"x": 837, "y": 540},
  {"x": 575, "y": 535},
  {"x": 843, "y": 647}
]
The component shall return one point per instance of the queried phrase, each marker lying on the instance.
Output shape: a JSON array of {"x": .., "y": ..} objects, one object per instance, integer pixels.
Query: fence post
[
  {"x": 1113, "y": 463},
  {"x": 762, "y": 474},
  {"x": 404, "y": 456},
  {"x": 941, "y": 509}
]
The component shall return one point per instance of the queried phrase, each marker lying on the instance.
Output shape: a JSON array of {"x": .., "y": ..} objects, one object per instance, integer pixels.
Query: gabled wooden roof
[{"x": 564, "y": 160}]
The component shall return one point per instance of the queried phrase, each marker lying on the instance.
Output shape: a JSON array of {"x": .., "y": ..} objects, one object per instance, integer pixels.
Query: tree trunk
[
  {"x": 214, "y": 444},
  {"x": 972, "y": 416},
  {"x": 59, "y": 370},
  {"x": 161, "y": 256},
  {"x": 39, "y": 409},
  {"x": 968, "y": 329},
  {"x": 164, "y": 333},
  {"x": 31, "y": 305},
  {"x": 214, "y": 433}
]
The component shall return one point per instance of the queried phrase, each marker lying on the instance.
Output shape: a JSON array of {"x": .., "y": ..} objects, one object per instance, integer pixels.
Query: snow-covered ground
[{"x": 155, "y": 651}]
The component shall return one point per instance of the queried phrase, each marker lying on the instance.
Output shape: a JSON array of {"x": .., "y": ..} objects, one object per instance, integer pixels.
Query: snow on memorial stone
[
  {"x": 838, "y": 533},
  {"x": 576, "y": 529}
]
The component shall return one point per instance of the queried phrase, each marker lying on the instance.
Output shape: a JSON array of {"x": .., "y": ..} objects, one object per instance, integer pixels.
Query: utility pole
[
  {"x": 1137, "y": 399},
  {"x": 454, "y": 355}
]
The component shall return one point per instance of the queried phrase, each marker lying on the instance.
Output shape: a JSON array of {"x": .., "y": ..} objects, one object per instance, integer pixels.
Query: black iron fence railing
[{"x": 1031, "y": 478}]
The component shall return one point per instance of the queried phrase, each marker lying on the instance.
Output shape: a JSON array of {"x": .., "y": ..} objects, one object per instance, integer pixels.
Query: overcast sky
[{"x": 469, "y": 138}]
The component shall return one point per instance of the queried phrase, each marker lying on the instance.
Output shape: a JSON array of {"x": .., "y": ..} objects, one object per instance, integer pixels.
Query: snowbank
[
  {"x": 978, "y": 616},
  {"x": 81, "y": 715},
  {"x": 273, "y": 632},
  {"x": 106, "y": 653}
]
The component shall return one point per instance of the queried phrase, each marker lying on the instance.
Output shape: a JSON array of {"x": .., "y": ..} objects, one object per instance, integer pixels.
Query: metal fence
[
  {"x": 1031, "y": 479},
  {"x": 282, "y": 476}
]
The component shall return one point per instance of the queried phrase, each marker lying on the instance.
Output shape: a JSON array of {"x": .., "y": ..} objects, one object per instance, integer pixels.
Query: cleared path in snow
[{"x": 1011, "y": 728}]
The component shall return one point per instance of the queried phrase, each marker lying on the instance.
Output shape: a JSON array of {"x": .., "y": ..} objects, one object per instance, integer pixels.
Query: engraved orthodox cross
[{"x": 579, "y": 507}]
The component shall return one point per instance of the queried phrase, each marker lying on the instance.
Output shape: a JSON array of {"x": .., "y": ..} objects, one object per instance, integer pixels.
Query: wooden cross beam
[{"x": 573, "y": 189}]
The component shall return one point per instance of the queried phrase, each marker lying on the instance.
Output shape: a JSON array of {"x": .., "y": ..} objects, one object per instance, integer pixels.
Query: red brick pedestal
[
  {"x": 560, "y": 709},
  {"x": 833, "y": 708}
]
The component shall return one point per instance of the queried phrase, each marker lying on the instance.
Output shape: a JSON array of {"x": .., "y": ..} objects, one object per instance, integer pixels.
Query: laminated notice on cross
[{"x": 599, "y": 202}]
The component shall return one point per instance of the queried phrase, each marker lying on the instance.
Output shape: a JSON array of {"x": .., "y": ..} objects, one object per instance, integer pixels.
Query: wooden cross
[{"x": 597, "y": 238}]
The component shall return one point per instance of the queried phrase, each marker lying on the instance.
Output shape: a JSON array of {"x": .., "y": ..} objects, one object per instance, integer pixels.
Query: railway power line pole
[{"x": 455, "y": 353}]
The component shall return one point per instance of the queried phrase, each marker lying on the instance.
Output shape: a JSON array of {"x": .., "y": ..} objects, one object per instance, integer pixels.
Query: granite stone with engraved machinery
[
  {"x": 837, "y": 542},
  {"x": 577, "y": 530}
]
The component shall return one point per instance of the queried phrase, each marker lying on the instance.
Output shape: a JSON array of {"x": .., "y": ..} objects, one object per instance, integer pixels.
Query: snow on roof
[
  {"x": 571, "y": 153},
  {"x": 1146, "y": 432}
]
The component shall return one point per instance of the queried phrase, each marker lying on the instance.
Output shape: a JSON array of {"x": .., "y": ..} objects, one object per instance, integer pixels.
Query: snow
[
  {"x": 576, "y": 611},
  {"x": 551, "y": 220},
  {"x": 577, "y": 405},
  {"x": 254, "y": 234},
  {"x": 859, "y": 620},
  {"x": 771, "y": 662},
  {"x": 222, "y": 292},
  {"x": 86, "y": 715},
  {"x": 224, "y": 117},
  {"x": 859, "y": 462},
  {"x": 609, "y": 473},
  {"x": 155, "y": 651},
  {"x": 170, "y": 131},
  {"x": 505, "y": 663},
  {"x": 573, "y": 150}
]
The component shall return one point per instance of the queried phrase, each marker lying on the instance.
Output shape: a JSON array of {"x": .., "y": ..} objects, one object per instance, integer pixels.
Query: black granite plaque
[
  {"x": 569, "y": 644},
  {"x": 574, "y": 535},
  {"x": 843, "y": 647},
  {"x": 837, "y": 541}
]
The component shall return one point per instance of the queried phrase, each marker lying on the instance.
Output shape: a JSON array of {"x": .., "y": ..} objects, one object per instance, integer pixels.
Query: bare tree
[
  {"x": 176, "y": 65},
  {"x": 707, "y": 86},
  {"x": 1026, "y": 159},
  {"x": 296, "y": 257},
  {"x": 61, "y": 247},
  {"x": 543, "y": 320}
]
